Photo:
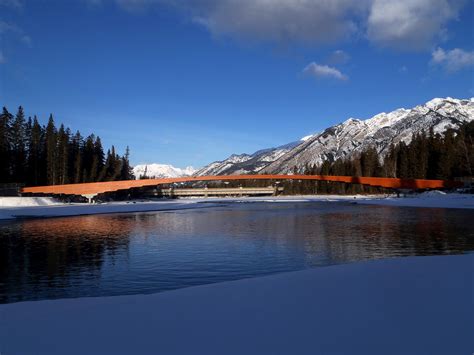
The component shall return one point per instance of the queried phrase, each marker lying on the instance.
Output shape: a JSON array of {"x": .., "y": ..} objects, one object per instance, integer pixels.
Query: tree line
[
  {"x": 35, "y": 154},
  {"x": 429, "y": 155}
]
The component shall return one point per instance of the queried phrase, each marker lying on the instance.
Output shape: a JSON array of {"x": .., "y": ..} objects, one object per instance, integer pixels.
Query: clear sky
[{"x": 190, "y": 82}]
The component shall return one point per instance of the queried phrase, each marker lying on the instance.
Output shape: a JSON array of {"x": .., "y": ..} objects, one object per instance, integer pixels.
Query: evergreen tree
[
  {"x": 5, "y": 158},
  {"x": 18, "y": 146},
  {"x": 76, "y": 157},
  {"x": 402, "y": 161},
  {"x": 126, "y": 172},
  {"x": 88, "y": 173},
  {"x": 369, "y": 161},
  {"x": 35, "y": 154},
  {"x": 447, "y": 158},
  {"x": 113, "y": 166},
  {"x": 144, "y": 175},
  {"x": 97, "y": 161},
  {"x": 51, "y": 152},
  {"x": 63, "y": 155}
]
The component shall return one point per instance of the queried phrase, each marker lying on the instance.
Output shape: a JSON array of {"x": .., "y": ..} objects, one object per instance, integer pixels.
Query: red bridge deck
[{"x": 95, "y": 188}]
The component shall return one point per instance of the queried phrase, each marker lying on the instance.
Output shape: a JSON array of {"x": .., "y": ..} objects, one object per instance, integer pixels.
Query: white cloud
[
  {"x": 452, "y": 60},
  {"x": 399, "y": 24},
  {"x": 410, "y": 24},
  {"x": 323, "y": 71},
  {"x": 403, "y": 69},
  {"x": 2, "y": 58},
  {"x": 301, "y": 21}
]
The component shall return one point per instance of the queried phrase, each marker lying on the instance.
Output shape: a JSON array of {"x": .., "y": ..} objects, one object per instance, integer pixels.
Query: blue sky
[{"x": 190, "y": 82}]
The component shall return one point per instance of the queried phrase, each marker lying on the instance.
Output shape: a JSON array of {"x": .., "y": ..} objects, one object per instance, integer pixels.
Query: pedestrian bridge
[{"x": 90, "y": 190}]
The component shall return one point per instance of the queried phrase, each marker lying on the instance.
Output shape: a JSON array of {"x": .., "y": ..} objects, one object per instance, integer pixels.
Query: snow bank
[
  {"x": 434, "y": 193},
  {"x": 27, "y": 201},
  {"x": 78, "y": 209},
  {"x": 415, "y": 305},
  {"x": 430, "y": 199}
]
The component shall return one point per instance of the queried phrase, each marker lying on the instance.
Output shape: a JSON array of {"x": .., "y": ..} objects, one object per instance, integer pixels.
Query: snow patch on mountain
[
  {"x": 305, "y": 138},
  {"x": 162, "y": 171}
]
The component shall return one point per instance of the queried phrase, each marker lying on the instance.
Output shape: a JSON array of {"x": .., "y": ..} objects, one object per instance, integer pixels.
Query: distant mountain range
[
  {"x": 349, "y": 138},
  {"x": 161, "y": 171},
  {"x": 343, "y": 140}
]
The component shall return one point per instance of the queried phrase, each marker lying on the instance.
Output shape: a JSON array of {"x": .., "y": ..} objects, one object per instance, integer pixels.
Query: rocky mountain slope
[
  {"x": 349, "y": 138},
  {"x": 246, "y": 163}
]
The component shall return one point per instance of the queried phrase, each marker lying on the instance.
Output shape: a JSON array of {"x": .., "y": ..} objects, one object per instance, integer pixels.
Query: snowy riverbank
[
  {"x": 414, "y": 305},
  {"x": 38, "y": 207},
  {"x": 78, "y": 209}
]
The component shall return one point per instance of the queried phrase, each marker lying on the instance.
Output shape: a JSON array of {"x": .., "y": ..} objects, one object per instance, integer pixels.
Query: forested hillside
[
  {"x": 428, "y": 156},
  {"x": 35, "y": 154}
]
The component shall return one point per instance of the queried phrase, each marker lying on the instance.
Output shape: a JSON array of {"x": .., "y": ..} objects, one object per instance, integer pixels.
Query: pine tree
[
  {"x": 35, "y": 154},
  {"x": 402, "y": 161},
  {"x": 97, "y": 161},
  {"x": 390, "y": 162},
  {"x": 126, "y": 172},
  {"x": 114, "y": 166},
  {"x": 447, "y": 158},
  {"x": 87, "y": 159},
  {"x": 76, "y": 157},
  {"x": 144, "y": 175},
  {"x": 51, "y": 152},
  {"x": 370, "y": 162},
  {"x": 63, "y": 155},
  {"x": 5, "y": 157},
  {"x": 18, "y": 146}
]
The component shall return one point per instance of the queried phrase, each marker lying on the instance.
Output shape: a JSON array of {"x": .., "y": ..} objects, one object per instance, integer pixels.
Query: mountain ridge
[{"x": 349, "y": 138}]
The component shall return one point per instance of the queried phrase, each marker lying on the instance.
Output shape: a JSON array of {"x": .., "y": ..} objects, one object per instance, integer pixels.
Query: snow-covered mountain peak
[
  {"x": 439, "y": 101},
  {"x": 386, "y": 119},
  {"x": 162, "y": 171}
]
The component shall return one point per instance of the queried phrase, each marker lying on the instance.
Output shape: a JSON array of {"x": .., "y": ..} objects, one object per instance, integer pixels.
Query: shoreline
[
  {"x": 389, "y": 306},
  {"x": 48, "y": 207}
]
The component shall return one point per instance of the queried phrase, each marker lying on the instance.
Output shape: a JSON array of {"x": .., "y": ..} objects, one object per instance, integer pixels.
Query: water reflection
[{"x": 151, "y": 252}]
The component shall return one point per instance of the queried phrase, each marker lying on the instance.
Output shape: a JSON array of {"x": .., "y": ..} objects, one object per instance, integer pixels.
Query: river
[{"x": 141, "y": 253}]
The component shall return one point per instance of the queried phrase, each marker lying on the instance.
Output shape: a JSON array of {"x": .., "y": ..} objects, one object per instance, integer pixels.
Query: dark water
[{"x": 152, "y": 252}]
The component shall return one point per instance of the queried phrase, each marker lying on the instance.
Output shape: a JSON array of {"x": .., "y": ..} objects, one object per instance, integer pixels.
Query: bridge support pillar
[{"x": 90, "y": 197}]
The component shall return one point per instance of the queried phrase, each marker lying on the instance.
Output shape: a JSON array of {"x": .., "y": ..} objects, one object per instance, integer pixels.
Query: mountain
[
  {"x": 162, "y": 171},
  {"x": 246, "y": 163},
  {"x": 350, "y": 138}
]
